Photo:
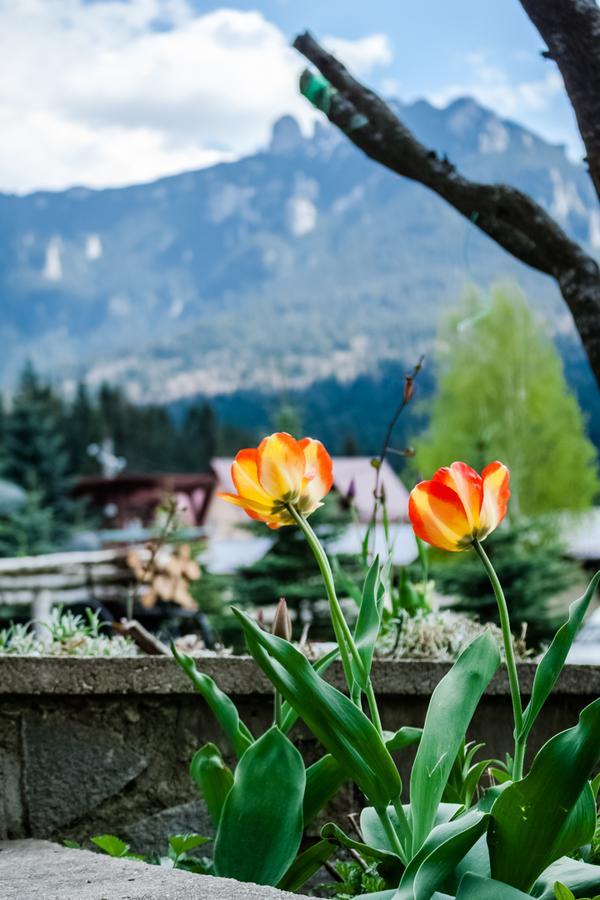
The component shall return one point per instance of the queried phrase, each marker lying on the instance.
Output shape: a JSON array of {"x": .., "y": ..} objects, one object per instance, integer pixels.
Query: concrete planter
[{"x": 103, "y": 745}]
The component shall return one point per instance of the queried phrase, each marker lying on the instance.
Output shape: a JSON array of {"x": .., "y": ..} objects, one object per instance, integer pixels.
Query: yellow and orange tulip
[
  {"x": 459, "y": 506},
  {"x": 279, "y": 473}
]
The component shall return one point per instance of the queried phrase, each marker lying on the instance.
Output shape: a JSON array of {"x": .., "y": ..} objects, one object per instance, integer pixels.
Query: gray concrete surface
[
  {"x": 40, "y": 870},
  {"x": 93, "y": 746},
  {"x": 31, "y": 676}
]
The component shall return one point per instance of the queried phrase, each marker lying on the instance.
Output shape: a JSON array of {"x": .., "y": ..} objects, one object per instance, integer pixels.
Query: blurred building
[
  {"x": 134, "y": 499},
  {"x": 354, "y": 477}
]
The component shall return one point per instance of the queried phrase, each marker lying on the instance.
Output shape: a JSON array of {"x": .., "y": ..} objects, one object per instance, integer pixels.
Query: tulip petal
[
  {"x": 281, "y": 465},
  {"x": 438, "y": 516},
  {"x": 318, "y": 474},
  {"x": 258, "y": 511},
  {"x": 467, "y": 483},
  {"x": 244, "y": 474},
  {"x": 246, "y": 503},
  {"x": 496, "y": 494}
]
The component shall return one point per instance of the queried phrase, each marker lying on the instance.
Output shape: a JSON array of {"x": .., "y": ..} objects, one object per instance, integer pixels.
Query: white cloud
[
  {"x": 112, "y": 92},
  {"x": 492, "y": 86},
  {"x": 391, "y": 87},
  {"x": 362, "y": 55},
  {"x": 538, "y": 103}
]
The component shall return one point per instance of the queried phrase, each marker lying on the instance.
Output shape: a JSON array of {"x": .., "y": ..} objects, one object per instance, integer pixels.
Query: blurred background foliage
[{"x": 501, "y": 394}]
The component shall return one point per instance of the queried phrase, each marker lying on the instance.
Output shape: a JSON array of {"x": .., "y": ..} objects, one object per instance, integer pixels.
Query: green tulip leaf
[
  {"x": 333, "y": 832},
  {"x": 549, "y": 812},
  {"x": 289, "y": 716},
  {"x": 450, "y": 711},
  {"x": 476, "y": 887},
  {"x": 406, "y": 736},
  {"x": 323, "y": 780},
  {"x": 579, "y": 877},
  {"x": 373, "y": 831},
  {"x": 222, "y": 708},
  {"x": 368, "y": 623},
  {"x": 306, "y": 864},
  {"x": 340, "y": 726},
  {"x": 212, "y": 778},
  {"x": 553, "y": 660},
  {"x": 261, "y": 823},
  {"x": 433, "y": 866}
]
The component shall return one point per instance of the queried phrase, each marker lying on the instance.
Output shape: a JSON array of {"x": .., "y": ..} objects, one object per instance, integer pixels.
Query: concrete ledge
[
  {"x": 95, "y": 746},
  {"x": 240, "y": 676},
  {"x": 40, "y": 870}
]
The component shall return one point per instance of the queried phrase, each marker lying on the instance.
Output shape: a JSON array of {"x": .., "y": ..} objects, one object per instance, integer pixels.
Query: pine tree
[
  {"x": 35, "y": 454},
  {"x": 29, "y": 529},
  {"x": 199, "y": 437},
  {"x": 502, "y": 395},
  {"x": 287, "y": 417},
  {"x": 289, "y": 569},
  {"x": 533, "y": 571},
  {"x": 82, "y": 428}
]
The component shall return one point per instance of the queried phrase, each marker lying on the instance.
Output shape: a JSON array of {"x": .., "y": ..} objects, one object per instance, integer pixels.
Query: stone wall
[{"x": 98, "y": 745}]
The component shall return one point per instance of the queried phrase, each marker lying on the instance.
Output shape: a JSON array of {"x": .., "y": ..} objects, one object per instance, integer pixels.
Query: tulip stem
[
  {"x": 405, "y": 826},
  {"x": 373, "y": 709},
  {"x": 391, "y": 833},
  {"x": 340, "y": 626},
  {"x": 511, "y": 665}
]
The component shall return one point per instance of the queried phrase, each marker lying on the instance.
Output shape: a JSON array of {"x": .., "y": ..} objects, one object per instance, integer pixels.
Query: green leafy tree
[{"x": 502, "y": 395}]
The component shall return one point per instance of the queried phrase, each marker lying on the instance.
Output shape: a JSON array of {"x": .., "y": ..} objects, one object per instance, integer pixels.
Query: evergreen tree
[
  {"x": 287, "y": 417},
  {"x": 533, "y": 571},
  {"x": 29, "y": 529},
  {"x": 82, "y": 428},
  {"x": 289, "y": 569},
  {"x": 502, "y": 395},
  {"x": 35, "y": 454},
  {"x": 199, "y": 437},
  {"x": 350, "y": 445}
]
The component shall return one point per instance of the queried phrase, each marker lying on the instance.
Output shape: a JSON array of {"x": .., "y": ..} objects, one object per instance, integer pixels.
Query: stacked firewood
[{"x": 165, "y": 576}]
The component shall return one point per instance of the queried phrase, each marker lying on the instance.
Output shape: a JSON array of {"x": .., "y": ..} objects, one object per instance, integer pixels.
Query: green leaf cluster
[{"x": 451, "y": 838}]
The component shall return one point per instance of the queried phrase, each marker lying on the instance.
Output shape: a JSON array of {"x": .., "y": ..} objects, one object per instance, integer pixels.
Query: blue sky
[{"x": 109, "y": 92}]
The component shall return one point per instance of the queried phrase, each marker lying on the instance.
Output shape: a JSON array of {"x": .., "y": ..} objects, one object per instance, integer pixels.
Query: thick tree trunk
[
  {"x": 571, "y": 29},
  {"x": 511, "y": 218}
]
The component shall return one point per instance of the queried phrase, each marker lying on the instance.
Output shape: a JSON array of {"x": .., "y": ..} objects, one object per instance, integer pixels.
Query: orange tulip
[
  {"x": 459, "y": 506},
  {"x": 279, "y": 473}
]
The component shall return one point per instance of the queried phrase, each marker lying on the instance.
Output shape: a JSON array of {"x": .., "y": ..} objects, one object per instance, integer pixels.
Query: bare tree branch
[
  {"x": 511, "y": 218},
  {"x": 571, "y": 29}
]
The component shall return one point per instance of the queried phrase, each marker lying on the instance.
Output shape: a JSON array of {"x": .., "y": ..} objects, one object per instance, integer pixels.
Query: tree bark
[
  {"x": 510, "y": 217},
  {"x": 571, "y": 29}
]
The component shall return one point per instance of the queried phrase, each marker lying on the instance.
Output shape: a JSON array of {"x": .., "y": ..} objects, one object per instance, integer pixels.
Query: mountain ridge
[{"x": 302, "y": 262}]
